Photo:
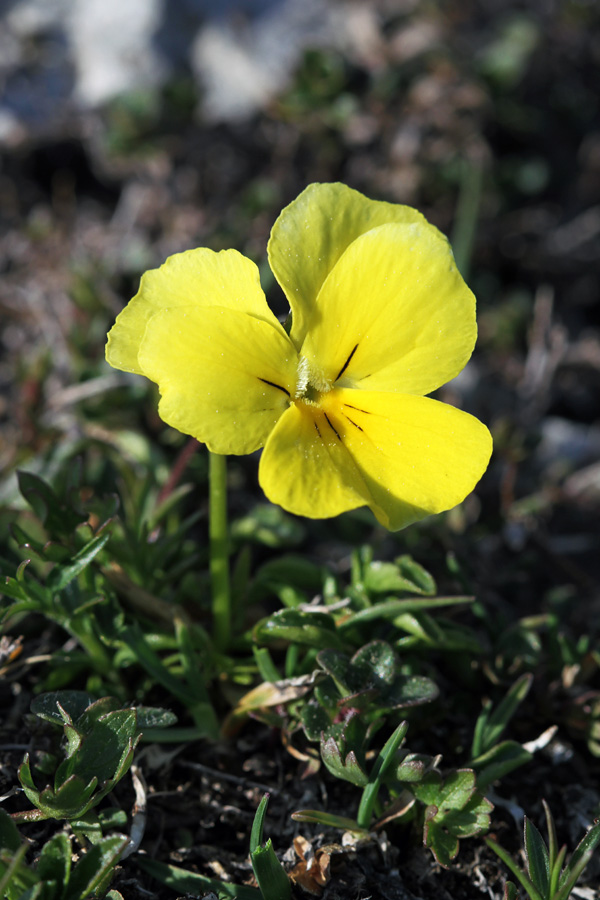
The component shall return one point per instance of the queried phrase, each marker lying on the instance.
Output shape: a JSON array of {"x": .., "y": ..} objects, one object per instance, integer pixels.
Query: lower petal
[
  {"x": 225, "y": 377},
  {"x": 306, "y": 470},
  {"x": 415, "y": 456}
]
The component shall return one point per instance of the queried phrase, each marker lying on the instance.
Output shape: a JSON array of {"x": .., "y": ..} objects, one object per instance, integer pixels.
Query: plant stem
[
  {"x": 219, "y": 550},
  {"x": 467, "y": 213}
]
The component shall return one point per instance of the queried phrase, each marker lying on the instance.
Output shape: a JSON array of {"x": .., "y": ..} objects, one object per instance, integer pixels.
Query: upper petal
[
  {"x": 394, "y": 314},
  {"x": 415, "y": 455},
  {"x": 225, "y": 377},
  {"x": 198, "y": 277},
  {"x": 305, "y": 469},
  {"x": 311, "y": 234}
]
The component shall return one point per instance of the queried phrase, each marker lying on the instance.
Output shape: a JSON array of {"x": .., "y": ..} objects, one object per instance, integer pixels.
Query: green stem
[
  {"x": 81, "y": 629},
  {"x": 467, "y": 213},
  {"x": 219, "y": 550}
]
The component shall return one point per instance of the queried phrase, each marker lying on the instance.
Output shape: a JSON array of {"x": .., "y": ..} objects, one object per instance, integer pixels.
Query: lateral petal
[
  {"x": 310, "y": 235},
  {"x": 306, "y": 470},
  {"x": 394, "y": 314},
  {"x": 225, "y": 377},
  {"x": 197, "y": 277},
  {"x": 415, "y": 455}
]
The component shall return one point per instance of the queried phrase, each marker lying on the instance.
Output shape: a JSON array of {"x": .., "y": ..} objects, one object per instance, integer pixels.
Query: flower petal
[
  {"x": 416, "y": 456},
  {"x": 305, "y": 469},
  {"x": 198, "y": 277},
  {"x": 225, "y": 377},
  {"x": 394, "y": 314},
  {"x": 311, "y": 234}
]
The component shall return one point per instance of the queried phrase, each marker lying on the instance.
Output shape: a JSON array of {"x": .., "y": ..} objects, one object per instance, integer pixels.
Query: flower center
[{"x": 310, "y": 382}]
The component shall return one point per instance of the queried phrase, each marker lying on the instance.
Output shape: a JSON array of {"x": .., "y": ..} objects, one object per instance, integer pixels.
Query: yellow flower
[{"x": 380, "y": 317}]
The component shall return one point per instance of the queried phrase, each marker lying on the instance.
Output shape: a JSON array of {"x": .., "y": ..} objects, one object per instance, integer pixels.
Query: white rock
[
  {"x": 30, "y": 17},
  {"x": 112, "y": 49},
  {"x": 242, "y": 64}
]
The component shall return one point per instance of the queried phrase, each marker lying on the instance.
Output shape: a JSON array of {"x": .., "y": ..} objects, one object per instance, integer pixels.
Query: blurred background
[{"x": 133, "y": 130}]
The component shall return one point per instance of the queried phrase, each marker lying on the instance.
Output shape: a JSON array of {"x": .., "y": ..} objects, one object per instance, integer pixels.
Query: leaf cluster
[
  {"x": 546, "y": 875},
  {"x": 54, "y": 877},
  {"x": 337, "y": 667},
  {"x": 100, "y": 739}
]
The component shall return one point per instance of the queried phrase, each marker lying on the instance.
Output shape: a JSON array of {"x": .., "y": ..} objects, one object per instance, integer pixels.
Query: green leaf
[
  {"x": 146, "y": 657},
  {"x": 46, "y": 706},
  {"x": 314, "y": 720},
  {"x": 269, "y": 525},
  {"x": 104, "y": 749},
  {"x": 579, "y": 860},
  {"x": 10, "y": 839},
  {"x": 17, "y": 881},
  {"x": 94, "y": 871},
  {"x": 327, "y": 819},
  {"x": 61, "y": 576},
  {"x": 27, "y": 783},
  {"x": 348, "y": 768},
  {"x": 92, "y": 714},
  {"x": 442, "y": 843},
  {"x": 414, "y": 690},
  {"x": 373, "y": 663},
  {"x": 336, "y": 665},
  {"x": 38, "y": 494},
  {"x": 499, "y": 761},
  {"x": 69, "y": 800},
  {"x": 58, "y": 517},
  {"x": 494, "y": 722},
  {"x": 11, "y": 588},
  {"x": 88, "y": 828},
  {"x": 55, "y": 861},
  {"x": 553, "y": 851},
  {"x": 413, "y": 767},
  {"x": 267, "y": 669},
  {"x": 390, "y": 609},
  {"x": 422, "y": 581},
  {"x": 182, "y": 881},
  {"x": 272, "y": 880},
  {"x": 270, "y": 874},
  {"x": 256, "y": 835},
  {"x": 383, "y": 762},
  {"x": 287, "y": 570},
  {"x": 386, "y": 577},
  {"x": 369, "y": 680},
  {"x": 536, "y": 854},
  {"x": 315, "y": 629},
  {"x": 154, "y": 717},
  {"x": 454, "y": 810},
  {"x": 521, "y": 877}
]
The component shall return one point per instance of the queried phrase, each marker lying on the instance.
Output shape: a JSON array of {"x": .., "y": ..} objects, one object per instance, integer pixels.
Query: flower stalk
[{"x": 219, "y": 550}]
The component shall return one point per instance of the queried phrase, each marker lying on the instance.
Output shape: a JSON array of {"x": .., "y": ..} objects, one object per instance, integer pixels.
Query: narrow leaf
[
  {"x": 328, "y": 819},
  {"x": 63, "y": 575},
  {"x": 523, "y": 879},
  {"x": 10, "y": 839},
  {"x": 384, "y": 761},
  {"x": 256, "y": 835},
  {"x": 182, "y": 881},
  {"x": 270, "y": 874},
  {"x": 55, "y": 861},
  {"x": 536, "y": 853},
  {"x": 500, "y": 717},
  {"x": 95, "y": 868},
  {"x": 579, "y": 860}
]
